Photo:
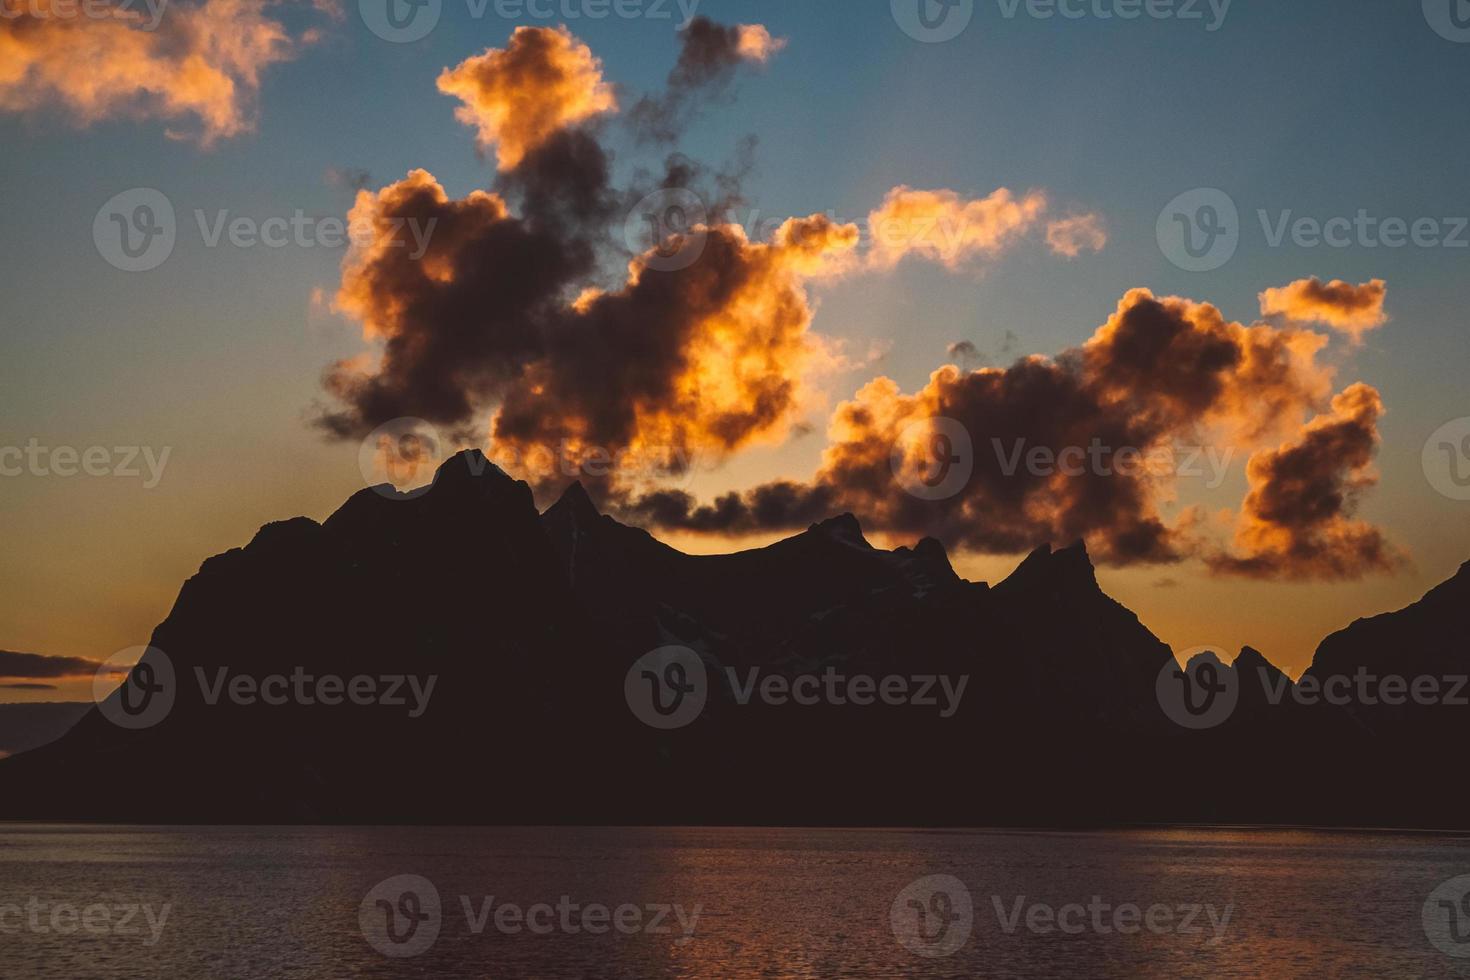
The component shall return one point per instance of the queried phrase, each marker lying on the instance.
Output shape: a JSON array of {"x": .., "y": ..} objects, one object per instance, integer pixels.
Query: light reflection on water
[{"x": 284, "y": 902}]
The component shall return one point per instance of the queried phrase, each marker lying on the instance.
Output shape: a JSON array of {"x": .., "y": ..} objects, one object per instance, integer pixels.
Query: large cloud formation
[
  {"x": 1106, "y": 417},
  {"x": 508, "y": 311},
  {"x": 197, "y": 66},
  {"x": 523, "y": 315}
]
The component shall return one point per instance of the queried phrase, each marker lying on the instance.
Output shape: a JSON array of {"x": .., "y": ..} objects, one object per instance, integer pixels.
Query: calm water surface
[{"x": 292, "y": 902}]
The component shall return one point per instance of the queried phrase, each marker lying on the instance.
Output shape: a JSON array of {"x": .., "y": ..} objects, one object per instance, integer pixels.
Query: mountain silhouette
[{"x": 531, "y": 625}]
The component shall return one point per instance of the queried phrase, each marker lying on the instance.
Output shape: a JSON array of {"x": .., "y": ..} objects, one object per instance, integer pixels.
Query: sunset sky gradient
[{"x": 798, "y": 349}]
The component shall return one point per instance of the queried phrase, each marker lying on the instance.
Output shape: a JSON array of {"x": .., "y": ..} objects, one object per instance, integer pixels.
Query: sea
[{"x": 482, "y": 902}]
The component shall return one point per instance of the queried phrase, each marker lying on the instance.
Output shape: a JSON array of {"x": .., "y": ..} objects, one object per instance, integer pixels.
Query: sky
[{"x": 202, "y": 378}]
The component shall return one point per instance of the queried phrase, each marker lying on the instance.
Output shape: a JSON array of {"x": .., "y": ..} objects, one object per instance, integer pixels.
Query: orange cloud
[
  {"x": 1159, "y": 372},
  {"x": 201, "y": 64},
  {"x": 1075, "y": 234},
  {"x": 942, "y": 226},
  {"x": 542, "y": 82},
  {"x": 1297, "y": 519},
  {"x": 701, "y": 360},
  {"x": 511, "y": 319},
  {"x": 1354, "y": 310},
  {"x": 755, "y": 43}
]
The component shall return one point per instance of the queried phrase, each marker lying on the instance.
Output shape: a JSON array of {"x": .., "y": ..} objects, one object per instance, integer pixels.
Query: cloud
[
  {"x": 1354, "y": 310},
  {"x": 195, "y": 66},
  {"x": 944, "y": 227},
  {"x": 622, "y": 367},
  {"x": 1075, "y": 234},
  {"x": 709, "y": 56},
  {"x": 29, "y": 687},
  {"x": 1297, "y": 519},
  {"x": 1159, "y": 371},
  {"x": 495, "y": 316},
  {"x": 509, "y": 313},
  {"x": 516, "y": 98},
  {"x": 35, "y": 665}
]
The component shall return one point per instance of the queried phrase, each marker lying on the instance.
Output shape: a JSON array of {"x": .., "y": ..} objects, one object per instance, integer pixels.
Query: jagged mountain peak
[
  {"x": 1252, "y": 659},
  {"x": 576, "y": 498},
  {"x": 844, "y": 528},
  {"x": 1069, "y": 566}
]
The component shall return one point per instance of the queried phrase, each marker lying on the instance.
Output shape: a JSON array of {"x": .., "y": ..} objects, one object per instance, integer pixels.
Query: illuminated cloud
[
  {"x": 196, "y": 66},
  {"x": 1354, "y": 310},
  {"x": 542, "y": 82},
  {"x": 1075, "y": 234},
  {"x": 512, "y": 321},
  {"x": 702, "y": 360},
  {"x": 1159, "y": 372},
  {"x": 1297, "y": 519},
  {"x": 944, "y": 227}
]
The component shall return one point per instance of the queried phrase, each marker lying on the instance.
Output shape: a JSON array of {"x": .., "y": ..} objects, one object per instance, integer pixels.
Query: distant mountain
[{"x": 1037, "y": 701}]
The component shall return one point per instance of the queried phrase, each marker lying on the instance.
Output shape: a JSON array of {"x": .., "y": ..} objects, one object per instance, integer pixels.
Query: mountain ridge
[{"x": 533, "y": 625}]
